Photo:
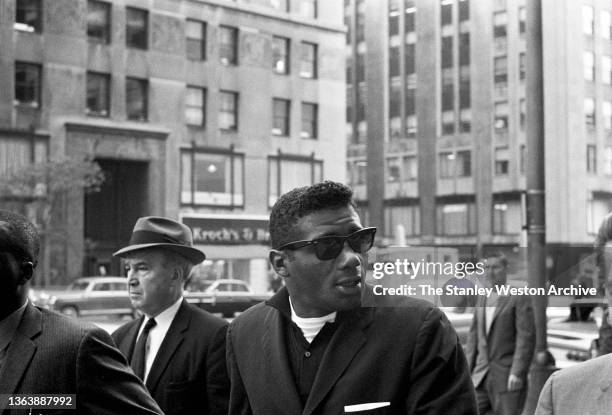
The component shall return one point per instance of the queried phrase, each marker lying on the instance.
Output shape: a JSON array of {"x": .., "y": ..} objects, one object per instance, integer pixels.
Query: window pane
[
  {"x": 27, "y": 84},
  {"x": 215, "y": 180},
  {"x": 98, "y": 21},
  {"x": 309, "y": 120},
  {"x": 28, "y": 15},
  {"x": 195, "y": 33},
  {"x": 281, "y": 117},
  {"x": 308, "y": 61},
  {"x": 228, "y": 45},
  {"x": 280, "y": 55},
  {"x": 308, "y": 8},
  {"x": 228, "y": 110},
  {"x": 98, "y": 86},
  {"x": 195, "y": 106},
  {"x": 136, "y": 99},
  {"x": 136, "y": 28}
]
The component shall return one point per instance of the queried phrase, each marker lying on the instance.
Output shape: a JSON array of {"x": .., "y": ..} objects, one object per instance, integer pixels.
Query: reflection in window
[
  {"x": 136, "y": 28},
  {"x": 98, "y": 21},
  {"x": 286, "y": 172}
]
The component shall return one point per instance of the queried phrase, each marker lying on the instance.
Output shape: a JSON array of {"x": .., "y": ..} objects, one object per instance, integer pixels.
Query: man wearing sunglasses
[{"x": 313, "y": 349}]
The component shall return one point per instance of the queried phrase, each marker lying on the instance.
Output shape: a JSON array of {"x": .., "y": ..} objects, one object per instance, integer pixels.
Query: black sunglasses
[{"x": 329, "y": 247}]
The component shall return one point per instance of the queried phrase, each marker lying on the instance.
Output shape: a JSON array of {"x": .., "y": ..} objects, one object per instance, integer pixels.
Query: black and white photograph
[{"x": 305, "y": 207}]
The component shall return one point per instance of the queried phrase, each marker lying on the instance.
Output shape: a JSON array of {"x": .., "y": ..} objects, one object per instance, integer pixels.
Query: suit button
[{"x": 307, "y": 354}]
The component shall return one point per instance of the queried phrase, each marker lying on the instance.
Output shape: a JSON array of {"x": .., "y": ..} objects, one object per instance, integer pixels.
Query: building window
[
  {"x": 21, "y": 150},
  {"x": 28, "y": 16},
  {"x": 456, "y": 219},
  {"x": 409, "y": 18},
  {"x": 446, "y": 165},
  {"x": 502, "y": 162},
  {"x": 465, "y": 120},
  {"x": 522, "y": 158},
  {"x": 136, "y": 96},
  {"x": 410, "y": 168},
  {"x": 409, "y": 58},
  {"x": 393, "y": 170},
  {"x": 308, "y": 9},
  {"x": 464, "y": 10},
  {"x": 587, "y": 20},
  {"x": 522, "y": 112},
  {"x": 606, "y": 108},
  {"x": 280, "y": 54},
  {"x": 195, "y": 34},
  {"x": 286, "y": 172},
  {"x": 500, "y": 65},
  {"x": 309, "y": 120},
  {"x": 464, "y": 49},
  {"x": 606, "y": 69},
  {"x": 410, "y": 101},
  {"x": 136, "y": 28},
  {"x": 195, "y": 106},
  {"x": 394, "y": 61},
  {"x": 98, "y": 21},
  {"x": 522, "y": 19},
  {"x": 408, "y": 217},
  {"x": 213, "y": 178},
  {"x": 464, "y": 163},
  {"x": 588, "y": 64},
  {"x": 589, "y": 111},
  {"x": 395, "y": 97},
  {"x": 608, "y": 161},
  {"x": 606, "y": 24},
  {"x": 358, "y": 172},
  {"x": 27, "y": 84},
  {"x": 500, "y": 40},
  {"x": 501, "y": 116},
  {"x": 228, "y": 110},
  {"x": 228, "y": 45},
  {"x": 448, "y": 122},
  {"x": 464, "y": 87},
  {"x": 411, "y": 126},
  {"x": 308, "y": 62},
  {"x": 522, "y": 66},
  {"x": 446, "y": 12},
  {"x": 280, "y": 5},
  {"x": 591, "y": 160},
  {"x": 447, "y": 52},
  {"x": 281, "y": 116},
  {"x": 98, "y": 94},
  {"x": 448, "y": 90},
  {"x": 500, "y": 218},
  {"x": 394, "y": 12}
]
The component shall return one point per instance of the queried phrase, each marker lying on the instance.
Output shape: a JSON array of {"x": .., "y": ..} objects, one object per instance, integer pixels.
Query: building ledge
[{"x": 137, "y": 130}]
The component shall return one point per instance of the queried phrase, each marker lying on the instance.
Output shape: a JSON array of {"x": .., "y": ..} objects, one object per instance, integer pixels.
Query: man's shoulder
[
  {"x": 589, "y": 372},
  {"x": 56, "y": 323},
  {"x": 253, "y": 315},
  {"x": 203, "y": 318}
]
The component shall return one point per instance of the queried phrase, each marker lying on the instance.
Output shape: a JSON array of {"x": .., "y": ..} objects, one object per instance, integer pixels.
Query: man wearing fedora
[{"x": 176, "y": 348}]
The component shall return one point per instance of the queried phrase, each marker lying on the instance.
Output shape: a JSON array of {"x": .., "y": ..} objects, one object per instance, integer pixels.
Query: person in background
[
  {"x": 42, "y": 352},
  {"x": 176, "y": 348}
]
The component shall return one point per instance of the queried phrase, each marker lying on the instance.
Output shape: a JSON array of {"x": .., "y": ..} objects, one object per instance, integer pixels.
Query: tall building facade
[
  {"x": 449, "y": 149},
  {"x": 204, "y": 111}
]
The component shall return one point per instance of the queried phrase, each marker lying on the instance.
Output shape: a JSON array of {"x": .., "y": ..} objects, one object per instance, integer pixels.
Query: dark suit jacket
[
  {"x": 189, "y": 374},
  {"x": 410, "y": 357},
  {"x": 511, "y": 338},
  {"x": 52, "y": 354}
]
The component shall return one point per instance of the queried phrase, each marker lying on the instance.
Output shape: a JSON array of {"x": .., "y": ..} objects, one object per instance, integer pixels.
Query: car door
[{"x": 97, "y": 298}]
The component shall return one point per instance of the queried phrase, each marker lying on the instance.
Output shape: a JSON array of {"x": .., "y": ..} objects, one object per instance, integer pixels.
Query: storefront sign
[{"x": 218, "y": 230}]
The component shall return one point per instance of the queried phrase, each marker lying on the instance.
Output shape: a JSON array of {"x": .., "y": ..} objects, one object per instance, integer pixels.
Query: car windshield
[
  {"x": 78, "y": 286},
  {"x": 198, "y": 285}
]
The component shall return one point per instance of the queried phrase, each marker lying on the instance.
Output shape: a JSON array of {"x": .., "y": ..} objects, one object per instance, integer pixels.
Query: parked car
[
  {"x": 89, "y": 296},
  {"x": 227, "y": 297}
]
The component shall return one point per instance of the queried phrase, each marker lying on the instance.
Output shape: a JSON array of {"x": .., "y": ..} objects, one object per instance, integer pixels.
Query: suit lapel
[
  {"x": 126, "y": 345},
  {"x": 502, "y": 302},
  {"x": 344, "y": 345},
  {"x": 277, "y": 367},
  {"x": 174, "y": 337},
  {"x": 20, "y": 352}
]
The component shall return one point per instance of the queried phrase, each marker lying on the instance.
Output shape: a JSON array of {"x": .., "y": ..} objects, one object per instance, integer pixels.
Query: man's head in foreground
[
  {"x": 319, "y": 247},
  {"x": 158, "y": 261},
  {"x": 19, "y": 246}
]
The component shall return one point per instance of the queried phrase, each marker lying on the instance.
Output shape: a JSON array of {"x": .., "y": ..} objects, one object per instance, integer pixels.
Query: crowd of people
[{"x": 310, "y": 349}]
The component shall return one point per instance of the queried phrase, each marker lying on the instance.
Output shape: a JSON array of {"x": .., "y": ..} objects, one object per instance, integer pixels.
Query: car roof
[
  {"x": 101, "y": 279},
  {"x": 230, "y": 281}
]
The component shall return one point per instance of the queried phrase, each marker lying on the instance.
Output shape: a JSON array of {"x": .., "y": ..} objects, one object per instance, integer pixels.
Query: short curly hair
[
  {"x": 302, "y": 201},
  {"x": 19, "y": 236}
]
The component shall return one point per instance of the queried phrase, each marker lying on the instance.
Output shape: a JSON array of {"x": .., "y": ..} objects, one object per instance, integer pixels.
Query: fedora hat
[{"x": 158, "y": 232}]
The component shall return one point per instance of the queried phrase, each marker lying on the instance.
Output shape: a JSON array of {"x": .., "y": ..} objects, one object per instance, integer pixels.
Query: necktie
[{"x": 138, "y": 358}]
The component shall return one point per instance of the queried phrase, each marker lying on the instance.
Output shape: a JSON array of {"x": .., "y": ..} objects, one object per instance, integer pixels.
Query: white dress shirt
[{"x": 157, "y": 333}]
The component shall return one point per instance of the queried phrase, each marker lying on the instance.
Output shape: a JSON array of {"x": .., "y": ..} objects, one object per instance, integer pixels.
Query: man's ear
[
  {"x": 27, "y": 272},
  {"x": 278, "y": 259}
]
